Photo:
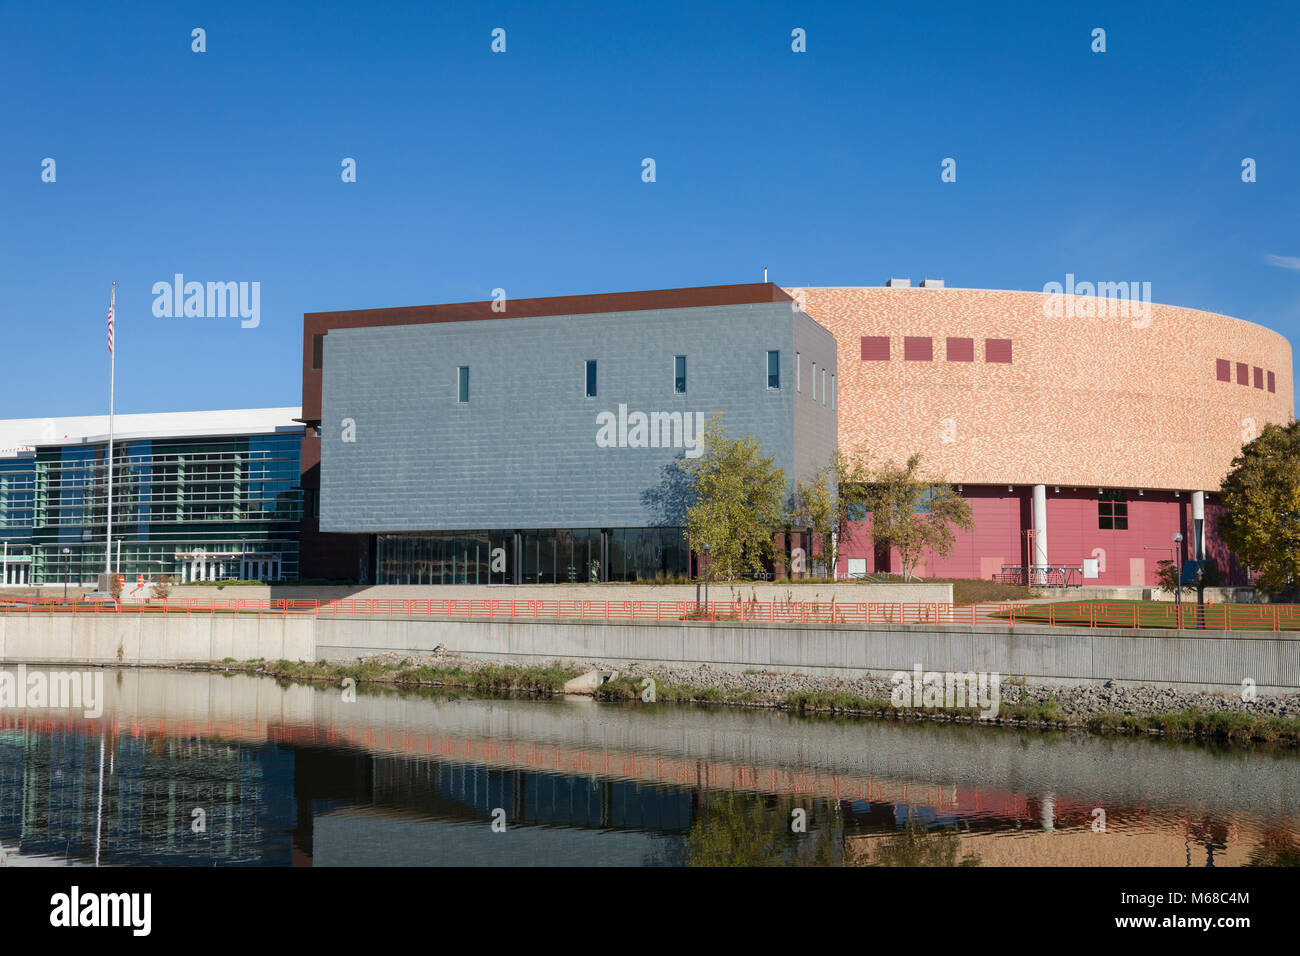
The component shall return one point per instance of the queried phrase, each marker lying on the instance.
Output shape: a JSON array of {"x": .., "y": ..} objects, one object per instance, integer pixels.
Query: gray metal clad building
[{"x": 536, "y": 449}]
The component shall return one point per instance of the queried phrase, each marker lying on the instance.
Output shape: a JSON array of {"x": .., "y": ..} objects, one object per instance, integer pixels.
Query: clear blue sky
[{"x": 523, "y": 170}]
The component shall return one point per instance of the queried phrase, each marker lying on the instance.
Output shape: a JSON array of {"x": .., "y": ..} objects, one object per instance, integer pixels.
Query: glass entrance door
[{"x": 261, "y": 568}]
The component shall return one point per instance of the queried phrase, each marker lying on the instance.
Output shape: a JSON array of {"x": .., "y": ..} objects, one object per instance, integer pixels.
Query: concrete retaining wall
[
  {"x": 1066, "y": 655},
  {"x": 1223, "y": 595},
  {"x": 1209, "y": 661},
  {"x": 154, "y": 638}
]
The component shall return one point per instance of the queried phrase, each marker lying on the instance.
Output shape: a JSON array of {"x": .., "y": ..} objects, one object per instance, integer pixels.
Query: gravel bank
[{"x": 1075, "y": 703}]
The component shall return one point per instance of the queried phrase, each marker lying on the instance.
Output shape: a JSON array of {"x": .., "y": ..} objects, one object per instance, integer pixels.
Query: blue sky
[{"x": 522, "y": 170}]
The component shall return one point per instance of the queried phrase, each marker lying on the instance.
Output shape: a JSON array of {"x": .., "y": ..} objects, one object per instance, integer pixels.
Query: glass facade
[
  {"x": 190, "y": 508},
  {"x": 17, "y": 509},
  {"x": 571, "y": 556},
  {"x": 460, "y": 558}
]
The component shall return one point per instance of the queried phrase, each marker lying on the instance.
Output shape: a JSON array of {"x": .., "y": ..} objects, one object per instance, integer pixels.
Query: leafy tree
[
  {"x": 1262, "y": 495},
  {"x": 734, "y": 830},
  {"x": 745, "y": 829},
  {"x": 912, "y": 512},
  {"x": 831, "y": 501},
  {"x": 915, "y": 844},
  {"x": 739, "y": 498}
]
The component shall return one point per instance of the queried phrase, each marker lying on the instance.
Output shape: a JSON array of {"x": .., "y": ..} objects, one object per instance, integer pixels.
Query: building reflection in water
[{"x": 208, "y": 778}]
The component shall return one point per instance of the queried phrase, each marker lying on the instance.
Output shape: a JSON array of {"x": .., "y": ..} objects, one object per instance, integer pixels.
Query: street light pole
[
  {"x": 1178, "y": 580},
  {"x": 708, "y": 568},
  {"x": 1173, "y": 554},
  {"x": 66, "y": 559}
]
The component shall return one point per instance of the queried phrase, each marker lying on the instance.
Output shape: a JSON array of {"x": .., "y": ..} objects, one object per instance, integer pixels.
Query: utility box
[{"x": 1089, "y": 567}]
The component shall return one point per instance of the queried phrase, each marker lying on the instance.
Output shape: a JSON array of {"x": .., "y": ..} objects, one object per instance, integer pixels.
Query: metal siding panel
[{"x": 522, "y": 453}]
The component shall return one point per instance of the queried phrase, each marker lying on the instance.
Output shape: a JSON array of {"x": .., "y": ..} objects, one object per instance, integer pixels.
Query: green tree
[
  {"x": 913, "y": 512},
  {"x": 749, "y": 829},
  {"x": 915, "y": 844},
  {"x": 739, "y": 498},
  {"x": 1262, "y": 496},
  {"x": 831, "y": 501}
]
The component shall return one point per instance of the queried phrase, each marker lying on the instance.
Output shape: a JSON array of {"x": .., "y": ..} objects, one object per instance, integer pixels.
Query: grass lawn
[{"x": 1162, "y": 614}]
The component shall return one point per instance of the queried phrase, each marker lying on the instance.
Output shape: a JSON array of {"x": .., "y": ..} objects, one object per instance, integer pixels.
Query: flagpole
[{"x": 112, "y": 386}]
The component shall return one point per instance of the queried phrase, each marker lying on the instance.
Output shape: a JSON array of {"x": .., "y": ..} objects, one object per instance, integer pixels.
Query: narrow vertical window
[
  {"x": 591, "y": 378},
  {"x": 679, "y": 374},
  {"x": 834, "y": 392},
  {"x": 317, "y": 351},
  {"x": 823, "y": 386},
  {"x": 462, "y": 384},
  {"x": 814, "y": 377},
  {"x": 774, "y": 369},
  {"x": 798, "y": 372}
]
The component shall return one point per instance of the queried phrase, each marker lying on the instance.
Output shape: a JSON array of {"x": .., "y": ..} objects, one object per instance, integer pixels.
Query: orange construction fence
[{"x": 1263, "y": 617}]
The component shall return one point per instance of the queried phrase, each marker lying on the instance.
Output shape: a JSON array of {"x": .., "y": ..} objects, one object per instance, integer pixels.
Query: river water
[{"x": 209, "y": 769}]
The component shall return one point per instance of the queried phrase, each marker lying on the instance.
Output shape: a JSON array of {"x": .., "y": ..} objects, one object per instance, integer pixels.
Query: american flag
[{"x": 111, "y": 303}]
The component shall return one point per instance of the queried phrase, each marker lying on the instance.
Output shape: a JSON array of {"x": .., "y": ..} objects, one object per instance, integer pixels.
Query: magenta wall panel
[
  {"x": 999, "y": 515},
  {"x": 1153, "y": 518},
  {"x": 960, "y": 350},
  {"x": 1002, "y": 517},
  {"x": 918, "y": 348},
  {"x": 998, "y": 351},
  {"x": 875, "y": 348}
]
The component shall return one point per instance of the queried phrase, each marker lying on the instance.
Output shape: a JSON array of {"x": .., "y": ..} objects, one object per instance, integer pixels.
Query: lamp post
[
  {"x": 1178, "y": 570},
  {"x": 1173, "y": 554},
  {"x": 708, "y": 568},
  {"x": 67, "y": 557}
]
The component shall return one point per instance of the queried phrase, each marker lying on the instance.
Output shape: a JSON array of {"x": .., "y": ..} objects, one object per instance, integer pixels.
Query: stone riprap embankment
[{"x": 1074, "y": 703}]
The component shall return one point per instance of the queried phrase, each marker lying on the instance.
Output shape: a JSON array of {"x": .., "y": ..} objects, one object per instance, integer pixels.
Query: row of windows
[
  {"x": 592, "y": 377},
  {"x": 532, "y": 557},
  {"x": 219, "y": 557},
  {"x": 158, "y": 482},
  {"x": 1245, "y": 374},
  {"x": 679, "y": 376},
  {"x": 920, "y": 348},
  {"x": 829, "y": 392}
]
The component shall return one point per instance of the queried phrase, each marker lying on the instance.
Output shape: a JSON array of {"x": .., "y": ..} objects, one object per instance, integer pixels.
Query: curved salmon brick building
[{"x": 1079, "y": 428}]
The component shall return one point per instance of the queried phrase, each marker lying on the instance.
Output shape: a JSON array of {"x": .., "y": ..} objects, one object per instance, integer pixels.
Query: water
[{"x": 204, "y": 769}]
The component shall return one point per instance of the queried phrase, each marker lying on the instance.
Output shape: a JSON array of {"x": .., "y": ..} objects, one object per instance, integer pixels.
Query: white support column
[
  {"x": 1198, "y": 513},
  {"x": 1040, "y": 531}
]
